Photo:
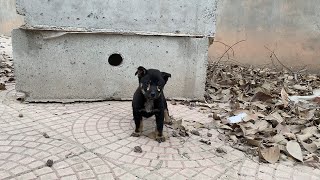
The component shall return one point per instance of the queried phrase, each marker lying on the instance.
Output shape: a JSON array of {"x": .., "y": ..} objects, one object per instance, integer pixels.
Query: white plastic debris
[
  {"x": 238, "y": 118},
  {"x": 296, "y": 99}
]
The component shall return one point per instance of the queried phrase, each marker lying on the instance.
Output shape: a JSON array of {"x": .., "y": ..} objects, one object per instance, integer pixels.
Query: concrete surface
[
  {"x": 291, "y": 28},
  {"x": 9, "y": 19},
  {"x": 92, "y": 141},
  {"x": 179, "y": 17},
  {"x": 71, "y": 67}
]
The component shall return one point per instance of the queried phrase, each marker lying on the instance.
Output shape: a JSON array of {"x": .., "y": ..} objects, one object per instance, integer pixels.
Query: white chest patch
[{"x": 148, "y": 105}]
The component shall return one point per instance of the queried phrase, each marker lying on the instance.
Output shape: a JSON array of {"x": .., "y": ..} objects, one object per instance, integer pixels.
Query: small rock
[
  {"x": 46, "y": 135},
  {"x": 221, "y": 150},
  {"x": 209, "y": 134},
  {"x": 215, "y": 116},
  {"x": 2, "y": 86},
  {"x": 137, "y": 149},
  {"x": 20, "y": 115},
  {"x": 49, "y": 163},
  {"x": 222, "y": 137},
  {"x": 195, "y": 132},
  {"x": 205, "y": 142},
  {"x": 20, "y": 99},
  {"x": 11, "y": 79},
  {"x": 183, "y": 133},
  {"x": 7, "y": 70},
  {"x": 20, "y": 96},
  {"x": 69, "y": 155},
  {"x": 192, "y": 105},
  {"x": 186, "y": 155},
  {"x": 173, "y": 102},
  {"x": 174, "y": 134}
]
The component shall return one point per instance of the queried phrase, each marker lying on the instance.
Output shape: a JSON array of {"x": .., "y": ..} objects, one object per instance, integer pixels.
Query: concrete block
[
  {"x": 75, "y": 67},
  {"x": 146, "y": 17}
]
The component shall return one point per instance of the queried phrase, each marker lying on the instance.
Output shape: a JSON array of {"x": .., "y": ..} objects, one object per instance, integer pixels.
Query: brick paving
[{"x": 92, "y": 141}]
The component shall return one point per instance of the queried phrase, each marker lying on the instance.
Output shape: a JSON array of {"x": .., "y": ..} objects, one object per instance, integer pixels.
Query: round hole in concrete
[{"x": 115, "y": 59}]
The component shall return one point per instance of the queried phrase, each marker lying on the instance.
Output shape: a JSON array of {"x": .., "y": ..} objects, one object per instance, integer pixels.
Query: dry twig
[
  {"x": 226, "y": 46},
  {"x": 229, "y": 49},
  {"x": 273, "y": 54}
]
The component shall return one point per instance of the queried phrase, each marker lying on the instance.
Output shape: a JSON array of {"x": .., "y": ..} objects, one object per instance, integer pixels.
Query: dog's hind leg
[{"x": 167, "y": 119}]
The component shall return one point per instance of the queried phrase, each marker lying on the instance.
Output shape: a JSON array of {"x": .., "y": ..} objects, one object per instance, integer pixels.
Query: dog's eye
[
  {"x": 148, "y": 88},
  {"x": 159, "y": 88}
]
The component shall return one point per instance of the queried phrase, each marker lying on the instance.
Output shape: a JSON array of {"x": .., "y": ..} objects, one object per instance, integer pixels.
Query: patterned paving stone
[{"x": 92, "y": 141}]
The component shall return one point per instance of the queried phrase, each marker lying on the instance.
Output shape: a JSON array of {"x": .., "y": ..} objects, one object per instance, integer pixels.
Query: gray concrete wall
[
  {"x": 9, "y": 19},
  {"x": 70, "y": 67},
  {"x": 167, "y": 17},
  {"x": 290, "y": 27}
]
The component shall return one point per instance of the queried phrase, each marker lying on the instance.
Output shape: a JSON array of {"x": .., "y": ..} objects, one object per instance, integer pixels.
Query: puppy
[{"x": 149, "y": 100}]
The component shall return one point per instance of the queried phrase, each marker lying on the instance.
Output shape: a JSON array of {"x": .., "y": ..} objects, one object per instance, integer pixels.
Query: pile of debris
[
  {"x": 6, "y": 62},
  {"x": 272, "y": 114}
]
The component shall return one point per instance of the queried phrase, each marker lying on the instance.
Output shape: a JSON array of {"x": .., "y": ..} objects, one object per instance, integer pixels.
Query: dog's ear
[
  {"x": 141, "y": 71},
  {"x": 165, "y": 76}
]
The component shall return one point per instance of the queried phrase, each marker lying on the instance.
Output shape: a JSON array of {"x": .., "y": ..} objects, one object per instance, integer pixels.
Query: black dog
[{"x": 149, "y": 100}]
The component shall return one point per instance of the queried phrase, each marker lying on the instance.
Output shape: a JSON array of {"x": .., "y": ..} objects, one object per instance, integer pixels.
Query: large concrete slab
[
  {"x": 167, "y": 17},
  {"x": 74, "y": 67}
]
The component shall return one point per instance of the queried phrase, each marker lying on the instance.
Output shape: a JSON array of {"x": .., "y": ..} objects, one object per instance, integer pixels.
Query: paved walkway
[{"x": 92, "y": 141}]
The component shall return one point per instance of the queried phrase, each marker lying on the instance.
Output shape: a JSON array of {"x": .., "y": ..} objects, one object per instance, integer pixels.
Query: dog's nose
[{"x": 153, "y": 94}]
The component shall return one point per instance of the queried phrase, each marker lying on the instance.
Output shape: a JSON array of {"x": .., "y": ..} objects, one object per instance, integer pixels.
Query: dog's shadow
[{"x": 149, "y": 127}]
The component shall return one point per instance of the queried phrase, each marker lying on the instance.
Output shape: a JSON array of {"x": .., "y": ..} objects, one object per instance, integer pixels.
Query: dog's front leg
[
  {"x": 159, "y": 128},
  {"x": 138, "y": 122}
]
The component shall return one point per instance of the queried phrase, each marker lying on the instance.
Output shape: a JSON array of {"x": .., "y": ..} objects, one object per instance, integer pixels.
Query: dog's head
[{"x": 152, "y": 82}]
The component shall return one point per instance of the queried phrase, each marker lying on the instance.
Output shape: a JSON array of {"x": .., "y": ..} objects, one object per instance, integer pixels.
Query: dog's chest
[{"x": 148, "y": 106}]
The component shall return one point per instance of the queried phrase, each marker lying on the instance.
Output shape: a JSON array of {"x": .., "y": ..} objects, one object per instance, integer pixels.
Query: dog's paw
[
  {"x": 136, "y": 134},
  {"x": 160, "y": 139}
]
